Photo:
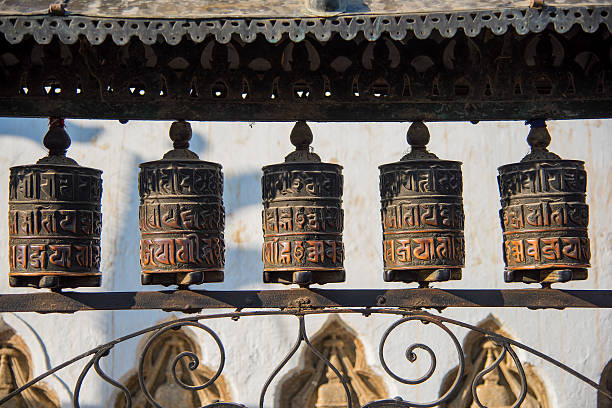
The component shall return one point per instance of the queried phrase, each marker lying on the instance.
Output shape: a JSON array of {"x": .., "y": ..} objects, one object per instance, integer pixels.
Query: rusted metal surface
[
  {"x": 302, "y": 217},
  {"x": 544, "y": 215},
  {"x": 510, "y": 77},
  {"x": 54, "y": 219},
  {"x": 372, "y": 27},
  {"x": 181, "y": 217},
  {"x": 307, "y": 299},
  {"x": 166, "y": 9},
  {"x": 151, "y": 21},
  {"x": 422, "y": 215}
]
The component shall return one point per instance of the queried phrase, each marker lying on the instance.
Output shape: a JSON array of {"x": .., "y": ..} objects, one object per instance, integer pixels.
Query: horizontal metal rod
[{"x": 191, "y": 301}]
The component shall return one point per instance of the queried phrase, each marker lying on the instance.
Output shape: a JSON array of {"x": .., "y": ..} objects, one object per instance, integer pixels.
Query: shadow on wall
[
  {"x": 243, "y": 265},
  {"x": 35, "y": 129}
]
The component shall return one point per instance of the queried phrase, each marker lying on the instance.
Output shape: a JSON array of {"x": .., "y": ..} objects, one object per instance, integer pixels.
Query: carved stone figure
[
  {"x": 499, "y": 388},
  {"x": 16, "y": 370},
  {"x": 161, "y": 384},
  {"x": 606, "y": 383},
  {"x": 314, "y": 385}
]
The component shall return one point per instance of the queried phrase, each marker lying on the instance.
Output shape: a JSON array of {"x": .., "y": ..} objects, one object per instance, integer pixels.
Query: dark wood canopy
[{"x": 376, "y": 60}]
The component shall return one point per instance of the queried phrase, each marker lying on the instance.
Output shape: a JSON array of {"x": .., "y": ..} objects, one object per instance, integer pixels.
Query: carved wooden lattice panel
[
  {"x": 548, "y": 75},
  {"x": 499, "y": 388},
  {"x": 314, "y": 385},
  {"x": 158, "y": 378}
]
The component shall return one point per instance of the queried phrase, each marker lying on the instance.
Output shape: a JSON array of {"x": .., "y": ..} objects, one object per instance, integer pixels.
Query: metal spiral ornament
[
  {"x": 506, "y": 349},
  {"x": 193, "y": 364},
  {"x": 412, "y": 357},
  {"x": 303, "y": 337},
  {"x": 95, "y": 355},
  {"x": 95, "y": 363}
]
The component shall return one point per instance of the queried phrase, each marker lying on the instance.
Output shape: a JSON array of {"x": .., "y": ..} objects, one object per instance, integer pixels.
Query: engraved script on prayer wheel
[
  {"x": 544, "y": 215},
  {"x": 54, "y": 219},
  {"x": 302, "y": 217},
  {"x": 422, "y": 215},
  {"x": 181, "y": 216}
]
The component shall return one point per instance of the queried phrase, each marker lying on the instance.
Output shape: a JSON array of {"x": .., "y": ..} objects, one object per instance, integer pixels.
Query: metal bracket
[{"x": 57, "y": 9}]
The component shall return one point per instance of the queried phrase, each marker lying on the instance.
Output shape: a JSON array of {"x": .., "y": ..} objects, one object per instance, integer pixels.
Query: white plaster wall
[{"x": 254, "y": 346}]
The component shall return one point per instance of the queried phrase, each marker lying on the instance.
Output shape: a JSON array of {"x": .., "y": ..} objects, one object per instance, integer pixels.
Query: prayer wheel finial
[
  {"x": 539, "y": 139},
  {"x": 301, "y": 138},
  {"x": 418, "y": 138},
  {"x": 180, "y": 134}
]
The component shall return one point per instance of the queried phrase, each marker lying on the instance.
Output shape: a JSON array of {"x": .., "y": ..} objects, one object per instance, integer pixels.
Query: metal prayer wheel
[
  {"x": 544, "y": 216},
  {"x": 302, "y": 217},
  {"x": 181, "y": 216},
  {"x": 54, "y": 219},
  {"x": 422, "y": 215}
]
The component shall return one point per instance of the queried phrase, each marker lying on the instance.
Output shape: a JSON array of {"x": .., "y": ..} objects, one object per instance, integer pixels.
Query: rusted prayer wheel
[
  {"x": 181, "y": 216},
  {"x": 544, "y": 215},
  {"x": 302, "y": 217},
  {"x": 54, "y": 219},
  {"x": 422, "y": 215}
]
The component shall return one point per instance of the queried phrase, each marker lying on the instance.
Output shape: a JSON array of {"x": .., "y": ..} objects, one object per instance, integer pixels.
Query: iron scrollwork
[
  {"x": 95, "y": 355},
  {"x": 193, "y": 364},
  {"x": 505, "y": 350},
  {"x": 303, "y": 337},
  {"x": 411, "y": 356}
]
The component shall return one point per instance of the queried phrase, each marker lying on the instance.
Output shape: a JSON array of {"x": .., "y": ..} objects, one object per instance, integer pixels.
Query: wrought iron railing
[{"x": 406, "y": 304}]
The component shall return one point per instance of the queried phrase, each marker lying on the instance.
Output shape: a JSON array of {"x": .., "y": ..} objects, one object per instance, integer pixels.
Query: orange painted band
[
  {"x": 424, "y": 267},
  {"x": 550, "y": 266},
  {"x": 185, "y": 270}
]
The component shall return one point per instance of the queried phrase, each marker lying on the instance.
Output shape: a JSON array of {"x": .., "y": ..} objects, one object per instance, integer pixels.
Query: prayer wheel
[
  {"x": 544, "y": 216},
  {"x": 422, "y": 215},
  {"x": 181, "y": 216},
  {"x": 302, "y": 217},
  {"x": 54, "y": 219}
]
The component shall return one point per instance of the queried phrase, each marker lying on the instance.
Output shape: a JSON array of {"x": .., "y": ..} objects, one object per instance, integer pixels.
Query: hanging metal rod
[{"x": 191, "y": 301}]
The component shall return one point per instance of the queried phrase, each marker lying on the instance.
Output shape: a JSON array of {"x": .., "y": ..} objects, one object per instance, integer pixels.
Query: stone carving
[
  {"x": 606, "y": 383},
  {"x": 314, "y": 385},
  {"x": 159, "y": 380},
  {"x": 16, "y": 370},
  {"x": 500, "y": 387}
]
